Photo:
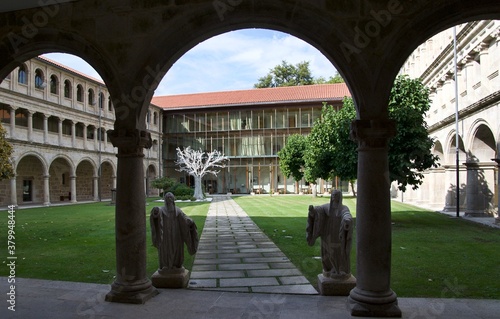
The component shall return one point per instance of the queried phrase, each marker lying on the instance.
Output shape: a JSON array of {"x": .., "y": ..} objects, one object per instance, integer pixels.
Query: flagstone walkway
[{"x": 235, "y": 255}]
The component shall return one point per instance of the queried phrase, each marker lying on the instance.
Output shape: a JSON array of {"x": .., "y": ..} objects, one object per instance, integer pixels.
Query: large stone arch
[
  {"x": 151, "y": 174},
  {"x": 107, "y": 179},
  {"x": 482, "y": 144},
  {"x": 31, "y": 172},
  {"x": 86, "y": 173},
  {"x": 61, "y": 173}
]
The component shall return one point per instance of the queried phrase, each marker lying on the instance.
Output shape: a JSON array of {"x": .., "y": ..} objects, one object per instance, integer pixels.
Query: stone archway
[
  {"x": 150, "y": 176},
  {"x": 481, "y": 173},
  {"x": 106, "y": 180},
  {"x": 60, "y": 179},
  {"x": 30, "y": 185},
  {"x": 85, "y": 176}
]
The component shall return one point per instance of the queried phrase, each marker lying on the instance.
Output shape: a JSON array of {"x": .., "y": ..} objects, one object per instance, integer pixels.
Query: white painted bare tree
[{"x": 198, "y": 164}]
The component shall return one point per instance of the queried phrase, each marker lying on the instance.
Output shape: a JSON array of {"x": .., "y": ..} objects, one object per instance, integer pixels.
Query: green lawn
[
  {"x": 432, "y": 256},
  {"x": 77, "y": 242}
]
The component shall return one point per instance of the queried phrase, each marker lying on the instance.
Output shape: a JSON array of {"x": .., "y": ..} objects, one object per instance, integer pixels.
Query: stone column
[
  {"x": 497, "y": 218},
  {"x": 96, "y": 188},
  {"x": 84, "y": 136},
  {"x": 59, "y": 130},
  {"x": 131, "y": 284},
  {"x": 45, "y": 128},
  {"x": 476, "y": 200},
  {"x": 72, "y": 186},
  {"x": 13, "y": 191},
  {"x": 373, "y": 295},
  {"x": 12, "y": 122},
  {"x": 73, "y": 134},
  {"x": 46, "y": 190},
  {"x": 30, "y": 126}
]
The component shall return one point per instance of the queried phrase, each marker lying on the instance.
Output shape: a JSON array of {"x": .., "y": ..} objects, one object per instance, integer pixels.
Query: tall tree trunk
[{"x": 198, "y": 194}]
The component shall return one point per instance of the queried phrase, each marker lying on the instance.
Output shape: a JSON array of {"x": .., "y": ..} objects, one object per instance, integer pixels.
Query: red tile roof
[
  {"x": 67, "y": 68},
  {"x": 304, "y": 93}
]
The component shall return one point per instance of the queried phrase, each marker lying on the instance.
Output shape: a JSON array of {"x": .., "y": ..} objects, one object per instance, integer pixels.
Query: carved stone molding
[
  {"x": 130, "y": 143},
  {"x": 373, "y": 134}
]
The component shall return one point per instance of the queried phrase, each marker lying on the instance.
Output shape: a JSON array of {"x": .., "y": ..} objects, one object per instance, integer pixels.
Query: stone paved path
[{"x": 235, "y": 255}]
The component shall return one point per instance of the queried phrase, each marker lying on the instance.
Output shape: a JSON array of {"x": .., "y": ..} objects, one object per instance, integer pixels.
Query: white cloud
[{"x": 231, "y": 61}]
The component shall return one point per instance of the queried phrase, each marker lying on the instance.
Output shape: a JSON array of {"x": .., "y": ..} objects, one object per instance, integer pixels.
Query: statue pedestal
[
  {"x": 172, "y": 278},
  {"x": 335, "y": 287}
]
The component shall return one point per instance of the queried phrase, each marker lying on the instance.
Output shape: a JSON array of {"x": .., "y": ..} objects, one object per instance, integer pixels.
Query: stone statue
[
  {"x": 333, "y": 223},
  {"x": 170, "y": 230}
]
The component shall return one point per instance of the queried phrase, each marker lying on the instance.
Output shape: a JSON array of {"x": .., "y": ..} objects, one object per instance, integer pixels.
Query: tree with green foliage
[
  {"x": 163, "y": 183},
  {"x": 6, "y": 169},
  {"x": 286, "y": 74},
  {"x": 291, "y": 157},
  {"x": 332, "y": 80},
  {"x": 331, "y": 152}
]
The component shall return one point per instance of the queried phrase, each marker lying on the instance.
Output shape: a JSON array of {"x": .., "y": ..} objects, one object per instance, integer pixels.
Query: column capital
[
  {"x": 130, "y": 143},
  {"x": 373, "y": 134}
]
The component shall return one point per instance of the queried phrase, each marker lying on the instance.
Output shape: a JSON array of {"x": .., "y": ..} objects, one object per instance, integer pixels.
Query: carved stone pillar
[
  {"x": 46, "y": 190},
  {"x": 12, "y": 121},
  {"x": 131, "y": 284},
  {"x": 30, "y": 126},
  {"x": 59, "y": 130},
  {"x": 477, "y": 194},
  {"x": 72, "y": 186},
  {"x": 497, "y": 217},
  {"x": 373, "y": 296},
  {"x": 84, "y": 136},
  {"x": 45, "y": 128},
  {"x": 13, "y": 190},
  {"x": 96, "y": 188},
  {"x": 73, "y": 134}
]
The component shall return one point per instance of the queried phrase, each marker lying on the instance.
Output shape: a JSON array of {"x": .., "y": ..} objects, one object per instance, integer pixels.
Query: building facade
[
  {"x": 57, "y": 121},
  {"x": 248, "y": 126},
  {"x": 478, "y": 83}
]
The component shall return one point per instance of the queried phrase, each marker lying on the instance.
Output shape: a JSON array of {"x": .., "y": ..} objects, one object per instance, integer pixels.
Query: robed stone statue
[
  {"x": 170, "y": 230},
  {"x": 333, "y": 223}
]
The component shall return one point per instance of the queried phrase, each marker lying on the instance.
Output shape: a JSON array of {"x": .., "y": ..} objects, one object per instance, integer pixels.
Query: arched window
[
  {"x": 79, "y": 93},
  {"x": 22, "y": 75},
  {"x": 101, "y": 100},
  {"x": 110, "y": 105},
  {"x": 54, "y": 84},
  {"x": 39, "y": 79},
  {"x": 67, "y": 89},
  {"x": 155, "y": 118},
  {"x": 91, "y": 100},
  {"x": 148, "y": 117}
]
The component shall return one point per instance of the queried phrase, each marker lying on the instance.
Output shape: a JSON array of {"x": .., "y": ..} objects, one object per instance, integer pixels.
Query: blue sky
[{"x": 231, "y": 61}]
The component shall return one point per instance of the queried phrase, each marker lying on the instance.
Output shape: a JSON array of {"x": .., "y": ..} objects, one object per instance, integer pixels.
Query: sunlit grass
[
  {"x": 77, "y": 242},
  {"x": 432, "y": 255}
]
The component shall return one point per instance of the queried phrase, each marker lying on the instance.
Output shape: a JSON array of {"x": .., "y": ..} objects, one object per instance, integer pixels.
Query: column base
[
  {"x": 175, "y": 278},
  {"x": 477, "y": 213},
  {"x": 335, "y": 287},
  {"x": 370, "y": 304},
  {"x": 137, "y": 293}
]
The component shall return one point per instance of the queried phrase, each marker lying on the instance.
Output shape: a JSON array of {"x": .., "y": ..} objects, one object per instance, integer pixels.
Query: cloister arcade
[{"x": 132, "y": 44}]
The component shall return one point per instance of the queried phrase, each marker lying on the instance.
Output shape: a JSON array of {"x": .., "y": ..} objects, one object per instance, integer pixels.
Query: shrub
[{"x": 181, "y": 190}]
